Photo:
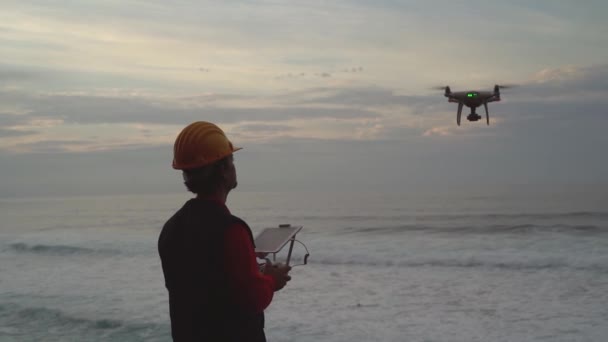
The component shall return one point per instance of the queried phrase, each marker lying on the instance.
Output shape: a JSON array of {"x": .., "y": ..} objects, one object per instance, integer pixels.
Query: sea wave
[
  {"x": 599, "y": 266},
  {"x": 600, "y": 215},
  {"x": 56, "y": 249},
  {"x": 540, "y": 216},
  {"x": 484, "y": 229},
  {"x": 51, "y": 324}
]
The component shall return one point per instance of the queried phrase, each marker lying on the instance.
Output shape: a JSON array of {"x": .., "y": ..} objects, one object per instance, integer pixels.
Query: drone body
[{"x": 473, "y": 99}]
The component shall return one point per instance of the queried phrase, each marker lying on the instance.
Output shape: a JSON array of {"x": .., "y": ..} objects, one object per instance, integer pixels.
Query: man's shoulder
[
  {"x": 176, "y": 215},
  {"x": 201, "y": 214},
  {"x": 235, "y": 220},
  {"x": 241, "y": 227}
]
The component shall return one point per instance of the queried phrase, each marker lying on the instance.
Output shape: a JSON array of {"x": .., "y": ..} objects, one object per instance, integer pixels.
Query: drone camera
[{"x": 473, "y": 117}]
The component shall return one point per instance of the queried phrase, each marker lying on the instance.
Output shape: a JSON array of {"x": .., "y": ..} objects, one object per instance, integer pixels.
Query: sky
[{"x": 332, "y": 95}]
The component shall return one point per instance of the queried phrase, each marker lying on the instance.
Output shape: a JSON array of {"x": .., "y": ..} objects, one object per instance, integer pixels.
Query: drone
[{"x": 473, "y": 99}]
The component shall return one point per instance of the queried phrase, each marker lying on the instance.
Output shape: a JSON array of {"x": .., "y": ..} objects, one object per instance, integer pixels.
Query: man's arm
[{"x": 252, "y": 288}]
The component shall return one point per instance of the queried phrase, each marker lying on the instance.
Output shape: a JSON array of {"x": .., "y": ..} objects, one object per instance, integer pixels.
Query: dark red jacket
[{"x": 216, "y": 292}]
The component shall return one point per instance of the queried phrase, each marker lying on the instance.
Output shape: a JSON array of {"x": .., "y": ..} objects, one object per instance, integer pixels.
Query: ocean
[{"x": 516, "y": 264}]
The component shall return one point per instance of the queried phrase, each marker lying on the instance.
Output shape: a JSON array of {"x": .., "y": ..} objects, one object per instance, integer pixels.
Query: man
[{"x": 216, "y": 291}]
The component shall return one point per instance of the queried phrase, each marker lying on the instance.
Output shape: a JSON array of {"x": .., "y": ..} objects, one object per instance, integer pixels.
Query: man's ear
[{"x": 223, "y": 166}]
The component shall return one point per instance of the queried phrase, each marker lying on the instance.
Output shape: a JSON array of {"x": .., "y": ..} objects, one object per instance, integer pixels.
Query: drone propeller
[
  {"x": 446, "y": 90},
  {"x": 506, "y": 86}
]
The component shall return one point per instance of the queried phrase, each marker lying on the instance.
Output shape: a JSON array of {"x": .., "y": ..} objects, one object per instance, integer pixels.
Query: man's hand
[
  {"x": 261, "y": 255},
  {"x": 280, "y": 274}
]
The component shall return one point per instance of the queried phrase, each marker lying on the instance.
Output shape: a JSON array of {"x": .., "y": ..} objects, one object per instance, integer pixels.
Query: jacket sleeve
[{"x": 252, "y": 289}]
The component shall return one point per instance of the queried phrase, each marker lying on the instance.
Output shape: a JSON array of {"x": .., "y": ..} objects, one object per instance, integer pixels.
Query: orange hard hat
[{"x": 200, "y": 143}]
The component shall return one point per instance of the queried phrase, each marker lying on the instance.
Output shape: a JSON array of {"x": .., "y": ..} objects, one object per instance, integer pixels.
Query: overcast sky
[{"x": 321, "y": 94}]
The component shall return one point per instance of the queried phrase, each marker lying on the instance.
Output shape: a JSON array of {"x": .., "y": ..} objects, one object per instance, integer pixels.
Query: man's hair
[{"x": 206, "y": 179}]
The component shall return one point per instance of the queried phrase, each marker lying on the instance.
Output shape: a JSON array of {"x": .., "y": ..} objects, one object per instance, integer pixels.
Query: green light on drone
[{"x": 471, "y": 95}]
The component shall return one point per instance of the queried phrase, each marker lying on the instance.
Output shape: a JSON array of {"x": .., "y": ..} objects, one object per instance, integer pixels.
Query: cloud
[
  {"x": 304, "y": 164},
  {"x": 365, "y": 96},
  {"x": 77, "y": 146},
  {"x": 310, "y": 74},
  {"x": 53, "y": 146},
  {"x": 291, "y": 76},
  {"x": 353, "y": 70},
  {"x": 265, "y": 128},
  {"x": 83, "y": 109},
  {"x": 360, "y": 112},
  {"x": 14, "y": 133},
  {"x": 8, "y": 75},
  {"x": 440, "y": 131},
  {"x": 569, "y": 80},
  {"x": 556, "y": 74},
  {"x": 10, "y": 120},
  {"x": 560, "y": 93}
]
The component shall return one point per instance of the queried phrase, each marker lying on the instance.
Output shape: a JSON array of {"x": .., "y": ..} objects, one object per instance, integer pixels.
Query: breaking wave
[
  {"x": 486, "y": 229},
  {"x": 598, "y": 266},
  {"x": 601, "y": 215},
  {"x": 56, "y": 249},
  {"x": 51, "y": 324}
]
